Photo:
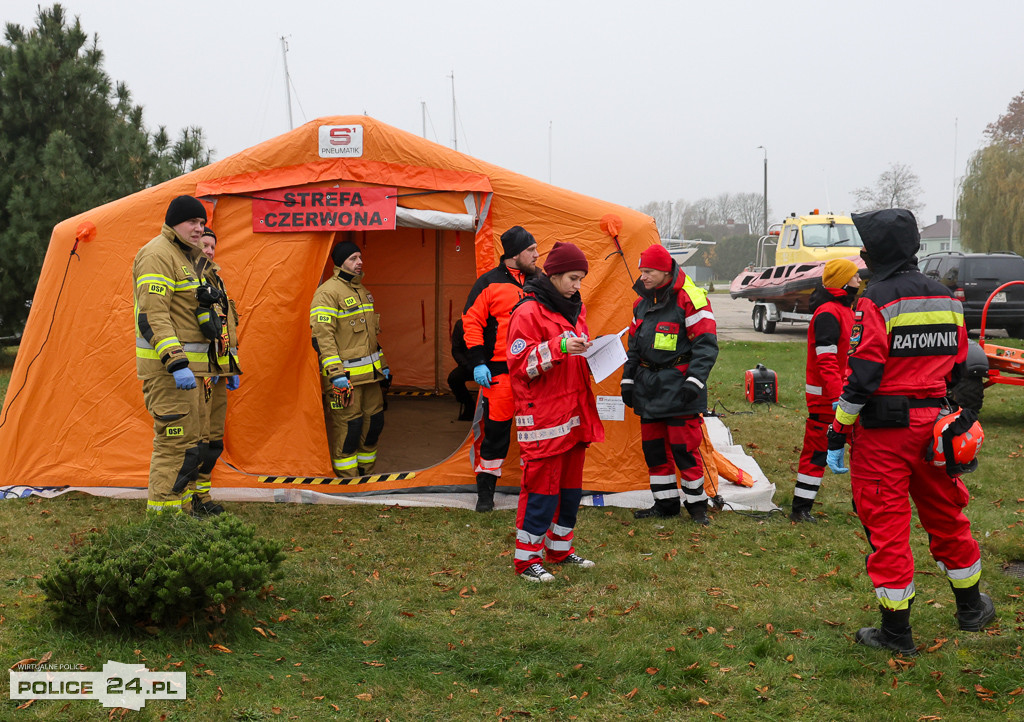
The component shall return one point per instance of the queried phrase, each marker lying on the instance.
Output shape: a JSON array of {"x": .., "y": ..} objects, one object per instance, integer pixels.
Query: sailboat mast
[{"x": 287, "y": 82}]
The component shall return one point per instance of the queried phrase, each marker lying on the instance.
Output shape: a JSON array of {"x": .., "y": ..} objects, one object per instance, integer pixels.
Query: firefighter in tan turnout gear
[
  {"x": 352, "y": 365},
  {"x": 219, "y": 320},
  {"x": 172, "y": 352}
]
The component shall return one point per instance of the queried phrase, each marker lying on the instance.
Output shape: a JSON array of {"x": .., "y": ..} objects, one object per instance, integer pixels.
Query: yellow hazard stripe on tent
[
  {"x": 320, "y": 480},
  {"x": 416, "y": 393}
]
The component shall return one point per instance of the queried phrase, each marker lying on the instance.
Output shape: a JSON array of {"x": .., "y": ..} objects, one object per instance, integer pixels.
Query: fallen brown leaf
[
  {"x": 259, "y": 631},
  {"x": 221, "y": 648},
  {"x": 937, "y": 645},
  {"x": 631, "y": 693},
  {"x": 365, "y": 696},
  {"x": 368, "y": 642}
]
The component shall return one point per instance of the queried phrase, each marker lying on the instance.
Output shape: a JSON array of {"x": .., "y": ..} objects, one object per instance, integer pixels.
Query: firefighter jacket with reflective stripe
[
  {"x": 227, "y": 347},
  {"x": 345, "y": 330},
  {"x": 672, "y": 341},
  {"x": 908, "y": 333},
  {"x": 485, "y": 317},
  {"x": 828, "y": 348},
  {"x": 555, "y": 406},
  {"x": 167, "y": 333}
]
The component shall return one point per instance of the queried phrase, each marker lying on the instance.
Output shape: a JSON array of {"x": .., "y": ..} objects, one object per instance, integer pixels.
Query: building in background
[{"x": 936, "y": 238}]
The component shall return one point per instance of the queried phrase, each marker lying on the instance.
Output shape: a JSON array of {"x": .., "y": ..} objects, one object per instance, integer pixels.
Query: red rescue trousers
[
  {"x": 549, "y": 500},
  {"x": 670, "y": 444},
  {"x": 812, "y": 460},
  {"x": 887, "y": 469}
]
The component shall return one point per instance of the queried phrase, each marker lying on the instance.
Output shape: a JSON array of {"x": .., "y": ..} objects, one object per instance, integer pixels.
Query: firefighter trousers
[
  {"x": 887, "y": 470},
  {"x": 549, "y": 500},
  {"x": 353, "y": 431},
  {"x": 177, "y": 425},
  {"x": 670, "y": 444},
  {"x": 211, "y": 437},
  {"x": 492, "y": 432}
]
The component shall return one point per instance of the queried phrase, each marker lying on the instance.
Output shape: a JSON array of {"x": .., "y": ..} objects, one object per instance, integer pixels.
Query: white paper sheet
[{"x": 606, "y": 355}]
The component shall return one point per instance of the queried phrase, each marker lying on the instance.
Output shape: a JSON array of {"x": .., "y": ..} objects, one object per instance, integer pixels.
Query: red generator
[{"x": 762, "y": 385}]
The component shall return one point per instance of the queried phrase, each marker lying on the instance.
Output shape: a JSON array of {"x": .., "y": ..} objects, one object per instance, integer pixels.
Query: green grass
[{"x": 415, "y": 614}]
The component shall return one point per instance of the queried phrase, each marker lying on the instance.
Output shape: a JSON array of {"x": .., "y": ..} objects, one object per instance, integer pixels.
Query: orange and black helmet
[{"x": 956, "y": 439}]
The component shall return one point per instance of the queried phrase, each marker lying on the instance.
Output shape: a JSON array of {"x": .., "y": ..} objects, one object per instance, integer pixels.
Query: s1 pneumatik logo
[
  {"x": 118, "y": 685},
  {"x": 340, "y": 141}
]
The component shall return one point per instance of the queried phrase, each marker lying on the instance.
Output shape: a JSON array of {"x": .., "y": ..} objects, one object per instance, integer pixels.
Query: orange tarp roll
[{"x": 716, "y": 465}]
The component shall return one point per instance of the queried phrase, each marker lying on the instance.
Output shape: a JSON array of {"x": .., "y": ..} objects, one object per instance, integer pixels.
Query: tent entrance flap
[{"x": 419, "y": 279}]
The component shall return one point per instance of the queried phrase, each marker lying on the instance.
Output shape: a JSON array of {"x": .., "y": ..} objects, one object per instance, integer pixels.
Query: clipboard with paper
[{"x": 606, "y": 355}]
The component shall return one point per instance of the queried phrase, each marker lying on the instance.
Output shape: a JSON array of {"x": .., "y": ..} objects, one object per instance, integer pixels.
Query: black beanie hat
[
  {"x": 184, "y": 208},
  {"x": 516, "y": 240},
  {"x": 208, "y": 231},
  {"x": 343, "y": 251}
]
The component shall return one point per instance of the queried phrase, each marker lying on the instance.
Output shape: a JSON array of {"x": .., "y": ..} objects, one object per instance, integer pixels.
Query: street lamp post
[{"x": 761, "y": 147}]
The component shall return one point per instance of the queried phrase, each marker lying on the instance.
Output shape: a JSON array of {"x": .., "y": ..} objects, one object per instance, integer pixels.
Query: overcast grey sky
[{"x": 642, "y": 101}]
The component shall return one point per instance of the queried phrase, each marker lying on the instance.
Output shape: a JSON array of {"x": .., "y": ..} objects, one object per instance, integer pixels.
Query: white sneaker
[
  {"x": 536, "y": 573},
  {"x": 577, "y": 561}
]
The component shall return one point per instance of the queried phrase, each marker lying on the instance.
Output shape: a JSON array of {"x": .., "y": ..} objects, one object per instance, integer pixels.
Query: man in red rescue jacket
[
  {"x": 908, "y": 339},
  {"x": 556, "y": 414},
  {"x": 485, "y": 327},
  {"x": 673, "y": 344},
  {"x": 828, "y": 345}
]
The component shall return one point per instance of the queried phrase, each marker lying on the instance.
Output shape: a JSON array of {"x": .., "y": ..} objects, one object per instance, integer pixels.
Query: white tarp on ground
[{"x": 738, "y": 498}]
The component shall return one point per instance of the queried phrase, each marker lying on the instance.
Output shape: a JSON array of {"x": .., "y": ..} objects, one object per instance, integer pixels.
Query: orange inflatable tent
[{"x": 74, "y": 412}]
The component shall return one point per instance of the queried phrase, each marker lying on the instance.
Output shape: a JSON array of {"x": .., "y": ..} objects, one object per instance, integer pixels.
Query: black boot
[
  {"x": 485, "y": 484},
  {"x": 974, "y": 610},
  {"x": 659, "y": 511},
  {"x": 895, "y": 633},
  {"x": 699, "y": 512},
  {"x": 802, "y": 515},
  {"x": 466, "y": 411}
]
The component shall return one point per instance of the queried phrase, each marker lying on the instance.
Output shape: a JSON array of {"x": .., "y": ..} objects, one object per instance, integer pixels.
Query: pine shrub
[{"x": 161, "y": 571}]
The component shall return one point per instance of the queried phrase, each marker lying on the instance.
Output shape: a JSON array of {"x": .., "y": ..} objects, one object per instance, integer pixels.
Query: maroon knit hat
[
  {"x": 656, "y": 258},
  {"x": 565, "y": 257}
]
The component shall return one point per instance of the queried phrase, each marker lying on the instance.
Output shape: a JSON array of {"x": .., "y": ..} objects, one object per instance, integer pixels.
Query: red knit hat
[
  {"x": 565, "y": 257},
  {"x": 656, "y": 258}
]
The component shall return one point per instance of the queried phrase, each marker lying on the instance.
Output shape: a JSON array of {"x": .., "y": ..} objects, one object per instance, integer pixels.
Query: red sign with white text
[{"x": 294, "y": 210}]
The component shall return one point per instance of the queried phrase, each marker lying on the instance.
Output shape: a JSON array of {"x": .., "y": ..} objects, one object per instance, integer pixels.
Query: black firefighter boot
[
  {"x": 895, "y": 633},
  {"x": 974, "y": 610},
  {"x": 485, "y": 484},
  {"x": 698, "y": 512}
]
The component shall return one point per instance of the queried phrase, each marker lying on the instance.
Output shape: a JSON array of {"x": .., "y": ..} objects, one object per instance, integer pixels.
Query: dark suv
[{"x": 973, "y": 277}]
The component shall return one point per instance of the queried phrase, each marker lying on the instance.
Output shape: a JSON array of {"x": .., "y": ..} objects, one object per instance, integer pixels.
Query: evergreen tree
[{"x": 69, "y": 141}]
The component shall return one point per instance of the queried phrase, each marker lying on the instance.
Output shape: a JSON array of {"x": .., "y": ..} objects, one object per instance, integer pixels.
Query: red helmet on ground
[{"x": 956, "y": 439}]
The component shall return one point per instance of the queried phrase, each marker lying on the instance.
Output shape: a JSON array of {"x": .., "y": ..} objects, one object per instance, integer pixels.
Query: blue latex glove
[
  {"x": 834, "y": 459},
  {"x": 482, "y": 375},
  {"x": 387, "y": 373},
  {"x": 835, "y": 405},
  {"x": 233, "y": 382},
  {"x": 184, "y": 378},
  {"x": 341, "y": 382}
]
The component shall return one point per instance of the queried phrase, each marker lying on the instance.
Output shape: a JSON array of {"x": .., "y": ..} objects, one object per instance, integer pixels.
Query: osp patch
[{"x": 517, "y": 347}]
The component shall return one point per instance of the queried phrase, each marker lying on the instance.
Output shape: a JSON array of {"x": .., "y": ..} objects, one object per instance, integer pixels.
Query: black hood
[{"x": 891, "y": 241}]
